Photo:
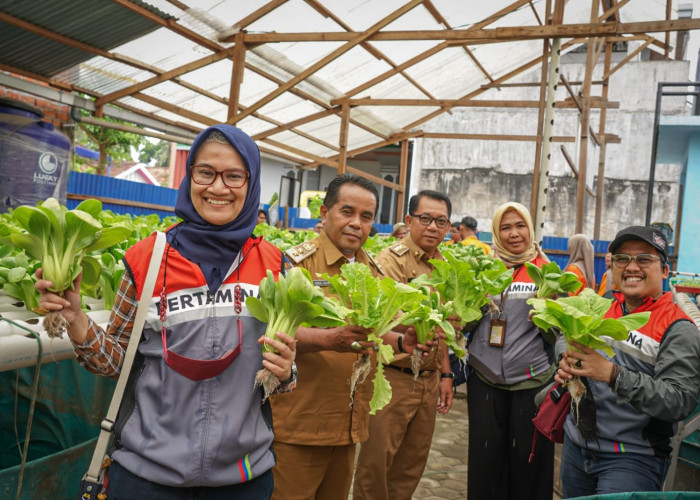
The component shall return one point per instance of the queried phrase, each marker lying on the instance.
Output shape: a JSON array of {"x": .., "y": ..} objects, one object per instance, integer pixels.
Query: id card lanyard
[{"x": 497, "y": 326}]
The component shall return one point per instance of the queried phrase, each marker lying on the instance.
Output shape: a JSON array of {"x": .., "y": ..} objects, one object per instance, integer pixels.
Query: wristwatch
[
  {"x": 399, "y": 344},
  {"x": 447, "y": 375}
]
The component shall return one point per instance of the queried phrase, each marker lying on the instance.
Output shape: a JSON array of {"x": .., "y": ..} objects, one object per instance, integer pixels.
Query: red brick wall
[{"x": 53, "y": 112}]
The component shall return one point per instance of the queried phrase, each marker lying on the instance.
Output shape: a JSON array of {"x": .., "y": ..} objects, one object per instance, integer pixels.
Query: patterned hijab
[
  {"x": 581, "y": 255},
  {"x": 510, "y": 259},
  {"x": 213, "y": 247}
]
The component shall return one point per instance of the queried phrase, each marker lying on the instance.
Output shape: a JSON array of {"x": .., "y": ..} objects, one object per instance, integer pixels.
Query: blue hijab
[{"x": 212, "y": 247}]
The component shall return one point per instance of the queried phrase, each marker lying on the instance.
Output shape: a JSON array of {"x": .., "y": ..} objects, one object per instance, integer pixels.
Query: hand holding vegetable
[
  {"x": 278, "y": 360},
  {"x": 286, "y": 304},
  {"x": 68, "y": 305},
  {"x": 583, "y": 362},
  {"x": 62, "y": 240},
  {"x": 379, "y": 304},
  {"x": 581, "y": 320}
]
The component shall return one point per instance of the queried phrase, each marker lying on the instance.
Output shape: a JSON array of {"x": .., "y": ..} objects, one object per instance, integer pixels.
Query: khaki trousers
[
  {"x": 392, "y": 460},
  {"x": 313, "y": 472}
]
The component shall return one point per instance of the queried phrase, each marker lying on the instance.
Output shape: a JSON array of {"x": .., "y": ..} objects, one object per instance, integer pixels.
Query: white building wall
[{"x": 480, "y": 175}]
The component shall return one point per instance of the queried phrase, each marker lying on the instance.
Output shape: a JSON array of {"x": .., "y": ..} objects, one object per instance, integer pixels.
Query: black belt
[{"x": 421, "y": 373}]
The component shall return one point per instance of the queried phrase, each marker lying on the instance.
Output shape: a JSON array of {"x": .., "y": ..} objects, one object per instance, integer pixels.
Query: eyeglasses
[
  {"x": 206, "y": 176},
  {"x": 642, "y": 259},
  {"x": 426, "y": 220}
]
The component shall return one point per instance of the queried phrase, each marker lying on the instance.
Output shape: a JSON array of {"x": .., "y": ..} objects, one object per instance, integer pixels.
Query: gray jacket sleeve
[{"x": 672, "y": 393}]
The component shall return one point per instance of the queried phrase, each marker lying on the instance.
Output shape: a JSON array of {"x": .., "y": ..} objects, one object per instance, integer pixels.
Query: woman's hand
[
  {"x": 69, "y": 304},
  {"x": 280, "y": 364},
  {"x": 583, "y": 363}
]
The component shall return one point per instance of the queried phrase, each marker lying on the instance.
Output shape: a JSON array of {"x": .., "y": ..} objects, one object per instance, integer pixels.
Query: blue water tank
[{"x": 34, "y": 157}]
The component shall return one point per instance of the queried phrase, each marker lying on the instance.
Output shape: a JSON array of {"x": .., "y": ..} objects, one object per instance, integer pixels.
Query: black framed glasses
[
  {"x": 426, "y": 220},
  {"x": 205, "y": 176},
  {"x": 643, "y": 259}
]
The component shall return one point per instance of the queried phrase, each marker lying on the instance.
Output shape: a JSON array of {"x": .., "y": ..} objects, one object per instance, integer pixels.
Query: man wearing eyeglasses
[
  {"x": 392, "y": 460},
  {"x": 639, "y": 395}
]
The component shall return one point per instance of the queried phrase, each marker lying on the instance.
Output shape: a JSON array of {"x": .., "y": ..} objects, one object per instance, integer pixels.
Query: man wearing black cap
[{"x": 639, "y": 395}]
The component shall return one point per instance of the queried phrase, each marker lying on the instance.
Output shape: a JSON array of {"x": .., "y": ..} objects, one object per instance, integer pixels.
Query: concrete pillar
[{"x": 688, "y": 261}]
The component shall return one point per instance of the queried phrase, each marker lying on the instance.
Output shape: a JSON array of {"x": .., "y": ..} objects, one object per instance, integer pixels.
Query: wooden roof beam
[
  {"x": 219, "y": 54},
  {"x": 168, "y": 75},
  {"x": 170, "y": 24},
  {"x": 301, "y": 121},
  {"x": 154, "y": 101},
  {"x": 483, "y": 88},
  {"x": 326, "y": 60},
  {"x": 504, "y": 34},
  {"x": 613, "y": 11},
  {"x": 394, "y": 139},
  {"x": 428, "y": 4},
  {"x": 493, "y": 137},
  {"x": 468, "y": 103},
  {"x": 629, "y": 57},
  {"x": 250, "y": 19},
  {"x": 368, "y": 46}
]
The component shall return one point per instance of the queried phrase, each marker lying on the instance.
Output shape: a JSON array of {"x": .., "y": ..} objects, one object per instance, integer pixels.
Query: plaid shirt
[{"x": 103, "y": 350}]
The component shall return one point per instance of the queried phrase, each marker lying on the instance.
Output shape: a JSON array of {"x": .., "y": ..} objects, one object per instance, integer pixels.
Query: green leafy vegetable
[
  {"x": 61, "y": 240},
  {"x": 582, "y": 319},
  {"x": 431, "y": 316},
  {"x": 551, "y": 281},
  {"x": 286, "y": 304},
  {"x": 465, "y": 281},
  {"x": 379, "y": 304},
  {"x": 16, "y": 278}
]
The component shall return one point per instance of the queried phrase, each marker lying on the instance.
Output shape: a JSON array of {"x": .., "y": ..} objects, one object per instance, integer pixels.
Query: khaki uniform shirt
[
  {"x": 404, "y": 261},
  {"x": 319, "y": 412}
]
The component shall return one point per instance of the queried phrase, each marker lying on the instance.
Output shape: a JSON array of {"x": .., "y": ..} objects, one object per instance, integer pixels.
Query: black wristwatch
[
  {"x": 447, "y": 375},
  {"x": 399, "y": 344}
]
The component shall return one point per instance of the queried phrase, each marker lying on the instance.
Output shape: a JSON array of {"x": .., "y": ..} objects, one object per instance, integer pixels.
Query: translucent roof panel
[{"x": 180, "y": 66}]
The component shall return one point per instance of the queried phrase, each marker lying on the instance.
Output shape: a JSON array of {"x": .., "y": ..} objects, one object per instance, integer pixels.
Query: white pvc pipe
[
  {"x": 547, "y": 133},
  {"x": 19, "y": 348},
  {"x": 688, "y": 306}
]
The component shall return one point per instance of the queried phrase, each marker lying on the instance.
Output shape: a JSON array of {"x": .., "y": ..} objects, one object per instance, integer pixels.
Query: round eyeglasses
[
  {"x": 426, "y": 220},
  {"x": 205, "y": 176},
  {"x": 642, "y": 259}
]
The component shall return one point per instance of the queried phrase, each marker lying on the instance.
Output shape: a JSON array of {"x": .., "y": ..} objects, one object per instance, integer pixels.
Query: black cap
[{"x": 646, "y": 234}]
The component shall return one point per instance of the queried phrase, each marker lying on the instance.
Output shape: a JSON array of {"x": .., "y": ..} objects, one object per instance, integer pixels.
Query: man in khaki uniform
[
  {"x": 317, "y": 428},
  {"x": 392, "y": 460}
]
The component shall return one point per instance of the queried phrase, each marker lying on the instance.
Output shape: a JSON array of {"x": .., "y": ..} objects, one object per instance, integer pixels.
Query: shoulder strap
[{"x": 108, "y": 423}]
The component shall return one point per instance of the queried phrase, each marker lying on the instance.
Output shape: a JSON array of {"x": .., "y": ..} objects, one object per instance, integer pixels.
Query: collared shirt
[
  {"x": 321, "y": 412},
  {"x": 405, "y": 261}
]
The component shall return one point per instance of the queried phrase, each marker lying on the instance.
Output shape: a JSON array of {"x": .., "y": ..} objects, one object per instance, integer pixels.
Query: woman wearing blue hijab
[{"x": 190, "y": 423}]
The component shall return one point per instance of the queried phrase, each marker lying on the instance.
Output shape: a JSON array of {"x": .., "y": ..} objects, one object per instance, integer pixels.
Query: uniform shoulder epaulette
[
  {"x": 375, "y": 263},
  {"x": 301, "y": 251},
  {"x": 399, "y": 249}
]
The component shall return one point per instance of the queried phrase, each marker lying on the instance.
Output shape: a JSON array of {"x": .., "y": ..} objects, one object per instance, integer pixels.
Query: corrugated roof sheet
[{"x": 85, "y": 21}]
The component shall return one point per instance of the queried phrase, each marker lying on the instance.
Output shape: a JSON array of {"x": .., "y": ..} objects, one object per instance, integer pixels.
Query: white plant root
[
  {"x": 55, "y": 324},
  {"x": 268, "y": 381},
  {"x": 360, "y": 370}
]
